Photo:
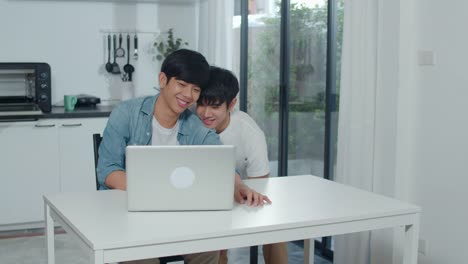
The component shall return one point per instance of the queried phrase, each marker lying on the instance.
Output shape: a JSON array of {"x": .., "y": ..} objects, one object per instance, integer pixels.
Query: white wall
[
  {"x": 432, "y": 125},
  {"x": 421, "y": 125},
  {"x": 69, "y": 36},
  {"x": 441, "y": 129}
]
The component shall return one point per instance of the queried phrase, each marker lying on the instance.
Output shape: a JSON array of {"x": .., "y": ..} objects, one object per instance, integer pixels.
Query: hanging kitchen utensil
[
  {"x": 135, "y": 45},
  {"x": 108, "y": 64},
  {"x": 128, "y": 68},
  {"x": 115, "y": 66},
  {"x": 120, "y": 52}
]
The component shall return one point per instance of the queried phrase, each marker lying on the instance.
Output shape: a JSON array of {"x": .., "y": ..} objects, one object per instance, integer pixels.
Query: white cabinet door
[
  {"x": 76, "y": 152},
  {"x": 28, "y": 157}
]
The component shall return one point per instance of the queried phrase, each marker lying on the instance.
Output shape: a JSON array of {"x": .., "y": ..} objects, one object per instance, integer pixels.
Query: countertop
[
  {"x": 79, "y": 112},
  {"x": 59, "y": 112}
]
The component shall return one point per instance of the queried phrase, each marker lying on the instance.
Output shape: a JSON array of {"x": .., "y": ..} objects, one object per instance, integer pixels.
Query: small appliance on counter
[
  {"x": 25, "y": 88},
  {"x": 86, "y": 100}
]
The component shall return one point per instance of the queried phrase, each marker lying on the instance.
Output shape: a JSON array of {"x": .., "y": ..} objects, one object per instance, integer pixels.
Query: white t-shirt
[
  {"x": 250, "y": 142},
  {"x": 164, "y": 136}
]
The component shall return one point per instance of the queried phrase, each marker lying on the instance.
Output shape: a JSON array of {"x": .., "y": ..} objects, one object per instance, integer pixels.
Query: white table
[{"x": 303, "y": 207}]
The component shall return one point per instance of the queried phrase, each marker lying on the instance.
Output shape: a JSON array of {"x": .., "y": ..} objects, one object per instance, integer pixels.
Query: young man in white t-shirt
[{"x": 215, "y": 107}]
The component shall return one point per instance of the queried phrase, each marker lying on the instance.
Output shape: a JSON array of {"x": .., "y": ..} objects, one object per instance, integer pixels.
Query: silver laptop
[{"x": 179, "y": 178}]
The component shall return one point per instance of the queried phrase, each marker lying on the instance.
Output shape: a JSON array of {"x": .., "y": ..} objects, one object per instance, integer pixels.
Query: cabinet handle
[
  {"x": 50, "y": 125},
  {"x": 71, "y": 125}
]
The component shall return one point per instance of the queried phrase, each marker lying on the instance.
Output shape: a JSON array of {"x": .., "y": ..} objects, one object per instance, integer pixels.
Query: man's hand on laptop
[{"x": 245, "y": 195}]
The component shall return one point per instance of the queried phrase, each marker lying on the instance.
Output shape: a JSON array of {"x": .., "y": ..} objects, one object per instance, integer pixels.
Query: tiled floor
[{"x": 32, "y": 250}]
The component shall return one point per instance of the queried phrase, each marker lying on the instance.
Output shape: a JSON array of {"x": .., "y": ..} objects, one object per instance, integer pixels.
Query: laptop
[{"x": 180, "y": 178}]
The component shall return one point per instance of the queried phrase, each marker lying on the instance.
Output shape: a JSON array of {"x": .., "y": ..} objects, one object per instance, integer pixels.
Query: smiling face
[
  {"x": 177, "y": 95},
  {"x": 215, "y": 116}
]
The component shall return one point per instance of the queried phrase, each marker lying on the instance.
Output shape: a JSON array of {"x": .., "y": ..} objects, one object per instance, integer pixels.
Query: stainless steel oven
[{"x": 25, "y": 88}]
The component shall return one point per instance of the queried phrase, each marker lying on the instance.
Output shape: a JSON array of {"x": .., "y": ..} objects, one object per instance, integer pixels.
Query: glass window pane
[
  {"x": 263, "y": 76},
  {"x": 263, "y": 70},
  {"x": 308, "y": 35}
]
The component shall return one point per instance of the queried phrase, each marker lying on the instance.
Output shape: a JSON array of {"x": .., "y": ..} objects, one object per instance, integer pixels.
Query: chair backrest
[{"x": 96, "y": 142}]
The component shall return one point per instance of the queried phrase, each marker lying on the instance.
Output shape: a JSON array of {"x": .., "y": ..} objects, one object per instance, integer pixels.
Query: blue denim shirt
[{"x": 130, "y": 123}]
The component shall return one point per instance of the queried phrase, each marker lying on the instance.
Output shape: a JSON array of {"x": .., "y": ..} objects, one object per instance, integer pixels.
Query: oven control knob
[
  {"x": 43, "y": 98},
  {"x": 43, "y": 85},
  {"x": 43, "y": 75}
]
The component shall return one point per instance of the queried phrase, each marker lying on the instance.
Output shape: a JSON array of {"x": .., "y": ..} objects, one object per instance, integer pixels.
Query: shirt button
[{"x": 147, "y": 133}]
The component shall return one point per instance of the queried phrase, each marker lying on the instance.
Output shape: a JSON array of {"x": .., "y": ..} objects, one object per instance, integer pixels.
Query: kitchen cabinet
[
  {"x": 76, "y": 152},
  {"x": 44, "y": 156},
  {"x": 28, "y": 154}
]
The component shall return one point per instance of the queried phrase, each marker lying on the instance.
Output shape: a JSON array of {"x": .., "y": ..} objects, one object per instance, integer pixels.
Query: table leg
[
  {"x": 411, "y": 242},
  {"x": 97, "y": 257},
  {"x": 309, "y": 251},
  {"x": 50, "y": 235}
]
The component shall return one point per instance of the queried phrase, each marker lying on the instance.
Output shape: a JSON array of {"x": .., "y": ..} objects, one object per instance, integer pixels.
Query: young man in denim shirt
[{"x": 164, "y": 119}]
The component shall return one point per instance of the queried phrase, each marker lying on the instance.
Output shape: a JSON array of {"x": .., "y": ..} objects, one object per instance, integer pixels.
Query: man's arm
[
  {"x": 112, "y": 150},
  {"x": 258, "y": 177},
  {"x": 117, "y": 180},
  {"x": 257, "y": 165},
  {"x": 242, "y": 193}
]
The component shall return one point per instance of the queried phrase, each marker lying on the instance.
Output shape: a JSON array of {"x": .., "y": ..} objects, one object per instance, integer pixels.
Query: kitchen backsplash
[{"x": 73, "y": 41}]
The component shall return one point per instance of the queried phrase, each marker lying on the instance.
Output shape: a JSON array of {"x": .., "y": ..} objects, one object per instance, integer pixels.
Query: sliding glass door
[{"x": 288, "y": 64}]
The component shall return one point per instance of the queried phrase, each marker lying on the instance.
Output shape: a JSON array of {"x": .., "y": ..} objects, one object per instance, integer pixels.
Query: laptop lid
[{"x": 179, "y": 178}]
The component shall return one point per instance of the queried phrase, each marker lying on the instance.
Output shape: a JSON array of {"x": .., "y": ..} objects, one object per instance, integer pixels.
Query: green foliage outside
[{"x": 308, "y": 35}]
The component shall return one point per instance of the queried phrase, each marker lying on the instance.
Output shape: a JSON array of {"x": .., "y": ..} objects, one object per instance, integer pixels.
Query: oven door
[
  {"x": 17, "y": 91},
  {"x": 19, "y": 110}
]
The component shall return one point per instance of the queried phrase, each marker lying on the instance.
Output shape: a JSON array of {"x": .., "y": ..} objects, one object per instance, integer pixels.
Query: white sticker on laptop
[{"x": 182, "y": 177}]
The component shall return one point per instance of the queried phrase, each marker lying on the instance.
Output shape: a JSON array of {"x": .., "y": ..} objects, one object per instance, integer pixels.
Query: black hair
[
  {"x": 221, "y": 87},
  {"x": 187, "y": 65}
]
